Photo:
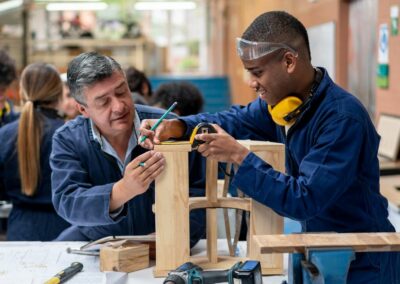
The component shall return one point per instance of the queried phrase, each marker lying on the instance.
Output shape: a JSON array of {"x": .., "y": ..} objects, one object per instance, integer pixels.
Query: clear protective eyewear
[{"x": 250, "y": 50}]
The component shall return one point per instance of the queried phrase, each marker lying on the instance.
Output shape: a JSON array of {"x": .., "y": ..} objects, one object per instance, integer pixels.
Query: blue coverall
[
  {"x": 83, "y": 177},
  {"x": 332, "y": 171},
  {"x": 32, "y": 218}
]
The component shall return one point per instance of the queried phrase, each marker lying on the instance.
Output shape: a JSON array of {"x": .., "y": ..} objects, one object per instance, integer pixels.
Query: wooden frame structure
[{"x": 172, "y": 207}]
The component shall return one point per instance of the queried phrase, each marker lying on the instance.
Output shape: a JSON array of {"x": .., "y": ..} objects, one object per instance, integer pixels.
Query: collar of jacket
[{"x": 320, "y": 91}]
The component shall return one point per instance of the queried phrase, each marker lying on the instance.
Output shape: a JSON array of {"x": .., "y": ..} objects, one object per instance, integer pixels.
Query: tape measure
[{"x": 203, "y": 127}]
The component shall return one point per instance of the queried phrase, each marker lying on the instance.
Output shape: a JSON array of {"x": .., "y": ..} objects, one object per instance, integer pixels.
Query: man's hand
[
  {"x": 168, "y": 128},
  {"x": 222, "y": 147},
  {"x": 137, "y": 178}
]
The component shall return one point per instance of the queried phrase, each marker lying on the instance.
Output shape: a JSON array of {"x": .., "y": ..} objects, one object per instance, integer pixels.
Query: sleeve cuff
[
  {"x": 115, "y": 213},
  {"x": 189, "y": 128}
]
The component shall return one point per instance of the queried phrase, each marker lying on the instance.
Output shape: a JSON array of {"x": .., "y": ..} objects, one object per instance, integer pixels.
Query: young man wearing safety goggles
[{"x": 332, "y": 172}]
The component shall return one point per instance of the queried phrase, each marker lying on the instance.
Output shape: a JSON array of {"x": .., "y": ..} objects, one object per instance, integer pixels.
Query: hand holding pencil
[
  {"x": 155, "y": 125},
  {"x": 154, "y": 131}
]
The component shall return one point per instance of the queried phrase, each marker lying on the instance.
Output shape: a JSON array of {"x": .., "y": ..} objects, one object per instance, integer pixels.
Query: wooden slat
[
  {"x": 211, "y": 214},
  {"x": 222, "y": 202},
  {"x": 360, "y": 242}
]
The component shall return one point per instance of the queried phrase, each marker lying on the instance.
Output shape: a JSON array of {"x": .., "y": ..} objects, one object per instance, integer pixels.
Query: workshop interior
[{"x": 200, "y": 141}]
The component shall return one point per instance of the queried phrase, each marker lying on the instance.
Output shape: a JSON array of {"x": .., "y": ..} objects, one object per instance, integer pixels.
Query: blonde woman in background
[{"x": 24, "y": 157}]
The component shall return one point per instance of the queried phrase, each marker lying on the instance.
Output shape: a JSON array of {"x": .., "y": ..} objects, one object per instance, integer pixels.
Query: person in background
[
  {"x": 102, "y": 180},
  {"x": 68, "y": 105},
  {"x": 7, "y": 75},
  {"x": 331, "y": 182},
  {"x": 24, "y": 157},
  {"x": 139, "y": 85},
  {"x": 190, "y": 100}
]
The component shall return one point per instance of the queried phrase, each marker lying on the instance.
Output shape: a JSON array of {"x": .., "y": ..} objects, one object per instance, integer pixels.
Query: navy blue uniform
[
  {"x": 32, "y": 218},
  {"x": 84, "y": 175},
  {"x": 332, "y": 171}
]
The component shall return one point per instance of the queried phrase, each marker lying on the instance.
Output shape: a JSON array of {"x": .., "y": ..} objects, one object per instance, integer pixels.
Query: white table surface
[{"x": 36, "y": 262}]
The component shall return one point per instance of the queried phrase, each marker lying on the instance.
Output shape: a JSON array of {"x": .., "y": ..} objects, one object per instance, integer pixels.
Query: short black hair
[
  {"x": 136, "y": 79},
  {"x": 279, "y": 27},
  {"x": 8, "y": 71},
  {"x": 87, "y": 69},
  {"x": 190, "y": 100}
]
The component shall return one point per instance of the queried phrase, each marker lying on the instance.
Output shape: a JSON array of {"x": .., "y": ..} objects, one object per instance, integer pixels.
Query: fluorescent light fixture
[
  {"x": 8, "y": 5},
  {"x": 171, "y": 5},
  {"x": 55, "y": 1},
  {"x": 77, "y": 6}
]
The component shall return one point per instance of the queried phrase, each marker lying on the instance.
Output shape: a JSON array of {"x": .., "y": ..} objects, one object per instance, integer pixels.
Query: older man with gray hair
[{"x": 102, "y": 180}]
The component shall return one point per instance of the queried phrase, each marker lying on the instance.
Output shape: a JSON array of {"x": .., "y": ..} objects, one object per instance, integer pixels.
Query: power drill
[{"x": 248, "y": 272}]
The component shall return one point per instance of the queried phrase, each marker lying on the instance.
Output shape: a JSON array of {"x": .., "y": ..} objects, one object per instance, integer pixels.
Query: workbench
[{"x": 36, "y": 262}]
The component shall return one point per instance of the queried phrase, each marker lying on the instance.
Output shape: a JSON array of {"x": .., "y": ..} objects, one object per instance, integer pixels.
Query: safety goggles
[{"x": 250, "y": 50}]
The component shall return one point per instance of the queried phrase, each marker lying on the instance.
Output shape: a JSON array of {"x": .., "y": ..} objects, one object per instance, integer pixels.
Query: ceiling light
[
  {"x": 181, "y": 5},
  {"x": 8, "y": 5},
  {"x": 55, "y": 1},
  {"x": 77, "y": 6}
]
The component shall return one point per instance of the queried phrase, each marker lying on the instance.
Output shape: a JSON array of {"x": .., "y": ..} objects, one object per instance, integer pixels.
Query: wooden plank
[
  {"x": 360, "y": 242},
  {"x": 172, "y": 212},
  {"x": 222, "y": 202},
  {"x": 212, "y": 197}
]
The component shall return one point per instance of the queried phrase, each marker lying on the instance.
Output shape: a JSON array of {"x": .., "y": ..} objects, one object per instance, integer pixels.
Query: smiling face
[
  {"x": 270, "y": 75},
  {"x": 109, "y": 104}
]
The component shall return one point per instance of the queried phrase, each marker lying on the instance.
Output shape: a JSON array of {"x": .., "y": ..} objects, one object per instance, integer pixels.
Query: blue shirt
[
  {"x": 84, "y": 175},
  {"x": 108, "y": 148},
  {"x": 332, "y": 171}
]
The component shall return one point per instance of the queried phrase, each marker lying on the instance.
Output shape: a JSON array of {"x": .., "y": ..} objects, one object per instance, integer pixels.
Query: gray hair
[{"x": 87, "y": 69}]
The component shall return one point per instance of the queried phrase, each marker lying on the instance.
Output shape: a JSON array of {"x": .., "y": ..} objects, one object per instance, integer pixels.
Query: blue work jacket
[
  {"x": 331, "y": 182},
  {"x": 32, "y": 218},
  {"x": 83, "y": 177}
]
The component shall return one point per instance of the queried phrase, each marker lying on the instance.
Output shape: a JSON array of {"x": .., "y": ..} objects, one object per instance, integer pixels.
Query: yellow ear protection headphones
[
  {"x": 285, "y": 112},
  {"x": 288, "y": 109}
]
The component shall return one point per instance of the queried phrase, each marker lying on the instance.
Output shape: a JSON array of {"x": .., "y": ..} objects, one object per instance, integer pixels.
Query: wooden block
[
  {"x": 359, "y": 242},
  {"x": 127, "y": 258}
]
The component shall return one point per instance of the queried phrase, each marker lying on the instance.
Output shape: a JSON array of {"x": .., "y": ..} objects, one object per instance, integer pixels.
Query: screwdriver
[{"x": 65, "y": 274}]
